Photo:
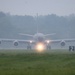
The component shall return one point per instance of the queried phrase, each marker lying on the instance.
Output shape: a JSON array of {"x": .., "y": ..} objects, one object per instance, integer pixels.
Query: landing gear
[
  {"x": 48, "y": 47},
  {"x": 29, "y": 47}
]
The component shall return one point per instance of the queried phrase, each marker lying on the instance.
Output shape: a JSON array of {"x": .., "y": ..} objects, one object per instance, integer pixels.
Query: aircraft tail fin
[
  {"x": 37, "y": 29},
  {"x": 37, "y": 24}
]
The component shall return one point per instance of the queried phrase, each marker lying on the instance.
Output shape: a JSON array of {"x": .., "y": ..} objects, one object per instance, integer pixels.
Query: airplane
[{"x": 39, "y": 40}]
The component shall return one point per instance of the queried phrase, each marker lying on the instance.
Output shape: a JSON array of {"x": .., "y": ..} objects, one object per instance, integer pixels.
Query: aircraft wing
[
  {"x": 7, "y": 40},
  {"x": 26, "y": 41},
  {"x": 17, "y": 40},
  {"x": 60, "y": 40}
]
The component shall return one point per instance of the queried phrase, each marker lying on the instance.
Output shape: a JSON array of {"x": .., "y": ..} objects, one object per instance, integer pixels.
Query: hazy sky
[{"x": 42, "y": 7}]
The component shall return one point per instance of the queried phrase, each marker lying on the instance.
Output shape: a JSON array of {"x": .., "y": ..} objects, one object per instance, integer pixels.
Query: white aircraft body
[{"x": 39, "y": 40}]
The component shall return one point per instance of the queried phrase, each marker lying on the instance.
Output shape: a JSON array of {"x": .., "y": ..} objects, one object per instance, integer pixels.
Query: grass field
[{"x": 30, "y": 62}]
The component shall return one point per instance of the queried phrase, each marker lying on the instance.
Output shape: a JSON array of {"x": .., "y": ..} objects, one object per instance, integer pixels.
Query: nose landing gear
[
  {"x": 29, "y": 47},
  {"x": 48, "y": 47}
]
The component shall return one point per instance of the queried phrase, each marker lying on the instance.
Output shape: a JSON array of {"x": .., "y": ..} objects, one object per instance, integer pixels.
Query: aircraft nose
[{"x": 40, "y": 39}]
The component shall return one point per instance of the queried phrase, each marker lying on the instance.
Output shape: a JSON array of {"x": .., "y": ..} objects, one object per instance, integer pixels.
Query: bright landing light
[
  {"x": 40, "y": 47},
  {"x": 48, "y": 41}
]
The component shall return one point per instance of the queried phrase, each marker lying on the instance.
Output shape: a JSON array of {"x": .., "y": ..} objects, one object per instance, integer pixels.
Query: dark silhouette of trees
[{"x": 11, "y": 25}]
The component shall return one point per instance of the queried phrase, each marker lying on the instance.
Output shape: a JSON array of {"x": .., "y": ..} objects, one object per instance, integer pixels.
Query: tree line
[{"x": 12, "y": 25}]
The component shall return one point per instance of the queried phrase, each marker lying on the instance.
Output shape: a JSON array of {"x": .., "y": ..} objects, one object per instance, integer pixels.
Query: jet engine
[
  {"x": 16, "y": 43},
  {"x": 63, "y": 43}
]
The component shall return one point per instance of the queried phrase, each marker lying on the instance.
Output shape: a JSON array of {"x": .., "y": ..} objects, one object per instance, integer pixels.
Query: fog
[
  {"x": 23, "y": 16},
  {"x": 42, "y": 7},
  {"x": 12, "y": 25}
]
